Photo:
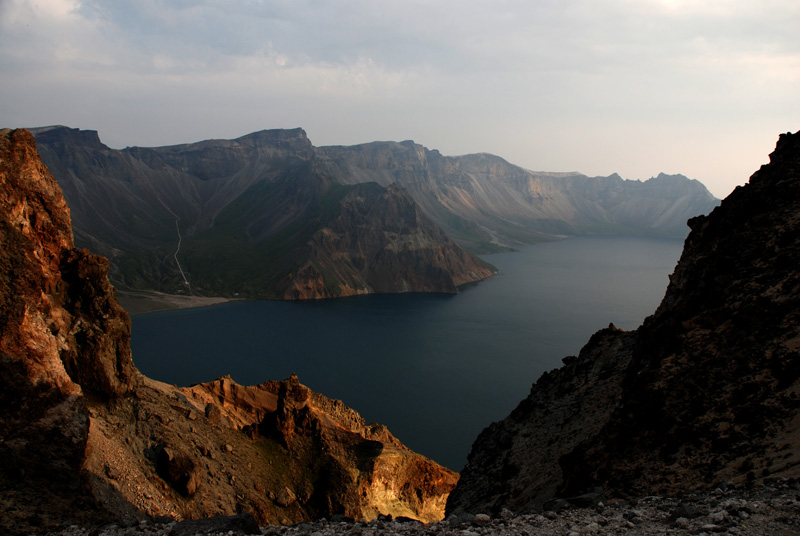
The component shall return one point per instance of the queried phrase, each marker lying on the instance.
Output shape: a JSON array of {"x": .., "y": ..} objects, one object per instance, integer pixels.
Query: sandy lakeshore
[{"x": 148, "y": 301}]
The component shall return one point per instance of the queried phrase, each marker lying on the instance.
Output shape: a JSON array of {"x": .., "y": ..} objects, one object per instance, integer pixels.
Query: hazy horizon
[{"x": 635, "y": 87}]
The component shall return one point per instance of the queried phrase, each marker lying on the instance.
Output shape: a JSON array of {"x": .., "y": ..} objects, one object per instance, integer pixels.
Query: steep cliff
[
  {"x": 278, "y": 451},
  {"x": 706, "y": 390},
  {"x": 346, "y": 466},
  {"x": 382, "y": 242},
  {"x": 251, "y": 217},
  {"x": 64, "y": 345},
  {"x": 257, "y": 216},
  {"x": 485, "y": 202},
  {"x": 84, "y": 438}
]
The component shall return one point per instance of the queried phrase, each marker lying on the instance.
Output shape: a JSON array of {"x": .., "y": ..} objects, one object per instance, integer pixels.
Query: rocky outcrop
[
  {"x": 705, "y": 391},
  {"x": 382, "y": 242},
  {"x": 49, "y": 284},
  {"x": 514, "y": 463},
  {"x": 84, "y": 438},
  {"x": 277, "y": 450},
  {"x": 65, "y": 343},
  {"x": 388, "y": 479}
]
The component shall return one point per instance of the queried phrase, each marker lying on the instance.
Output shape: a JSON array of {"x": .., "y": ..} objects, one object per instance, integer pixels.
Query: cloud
[{"x": 546, "y": 84}]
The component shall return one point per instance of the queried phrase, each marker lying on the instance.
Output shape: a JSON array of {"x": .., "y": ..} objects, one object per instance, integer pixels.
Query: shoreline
[{"x": 149, "y": 301}]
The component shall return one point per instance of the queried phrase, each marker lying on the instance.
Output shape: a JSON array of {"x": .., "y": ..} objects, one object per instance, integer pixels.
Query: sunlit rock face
[
  {"x": 705, "y": 391},
  {"x": 356, "y": 469},
  {"x": 65, "y": 343},
  {"x": 85, "y": 439},
  {"x": 277, "y": 450}
]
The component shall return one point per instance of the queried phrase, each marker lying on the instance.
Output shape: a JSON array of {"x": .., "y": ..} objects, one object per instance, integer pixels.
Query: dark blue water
[{"x": 436, "y": 369}]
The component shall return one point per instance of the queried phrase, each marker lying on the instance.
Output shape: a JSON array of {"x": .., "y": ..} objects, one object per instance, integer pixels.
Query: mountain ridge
[
  {"x": 245, "y": 213},
  {"x": 521, "y": 206},
  {"x": 272, "y": 190}
]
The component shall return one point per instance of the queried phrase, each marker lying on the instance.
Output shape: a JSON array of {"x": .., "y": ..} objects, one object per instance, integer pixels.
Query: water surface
[{"x": 436, "y": 369}]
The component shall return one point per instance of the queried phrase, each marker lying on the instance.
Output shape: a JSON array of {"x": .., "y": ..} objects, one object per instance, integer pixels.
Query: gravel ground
[{"x": 772, "y": 509}]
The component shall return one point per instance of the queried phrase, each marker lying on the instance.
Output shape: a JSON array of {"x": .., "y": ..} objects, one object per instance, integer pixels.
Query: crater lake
[{"x": 436, "y": 369}]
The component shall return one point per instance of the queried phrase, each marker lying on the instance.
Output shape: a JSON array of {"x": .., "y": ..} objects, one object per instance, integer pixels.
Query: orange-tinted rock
[
  {"x": 63, "y": 339},
  {"x": 361, "y": 469},
  {"x": 84, "y": 438}
]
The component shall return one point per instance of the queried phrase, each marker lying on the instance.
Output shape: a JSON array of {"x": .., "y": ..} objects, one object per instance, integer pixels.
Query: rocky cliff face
[
  {"x": 258, "y": 216},
  {"x": 346, "y": 466},
  {"x": 64, "y": 345},
  {"x": 252, "y": 217},
  {"x": 276, "y": 450},
  {"x": 84, "y": 438},
  {"x": 382, "y": 242},
  {"x": 485, "y": 202},
  {"x": 706, "y": 390}
]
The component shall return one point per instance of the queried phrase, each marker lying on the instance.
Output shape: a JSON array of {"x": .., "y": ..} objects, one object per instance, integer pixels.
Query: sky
[{"x": 636, "y": 87}]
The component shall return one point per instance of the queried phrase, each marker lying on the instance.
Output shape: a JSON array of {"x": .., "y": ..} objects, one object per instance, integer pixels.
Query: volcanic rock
[
  {"x": 179, "y": 470},
  {"x": 268, "y": 215},
  {"x": 241, "y": 524},
  {"x": 86, "y": 439},
  {"x": 254, "y": 217},
  {"x": 705, "y": 391},
  {"x": 64, "y": 344},
  {"x": 770, "y": 509}
]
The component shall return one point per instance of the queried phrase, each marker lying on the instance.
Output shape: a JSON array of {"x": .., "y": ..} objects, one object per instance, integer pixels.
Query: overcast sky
[{"x": 699, "y": 87}]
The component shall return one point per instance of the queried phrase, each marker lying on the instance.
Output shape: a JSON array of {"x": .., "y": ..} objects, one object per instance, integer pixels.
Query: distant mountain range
[
  {"x": 487, "y": 204},
  {"x": 269, "y": 215}
]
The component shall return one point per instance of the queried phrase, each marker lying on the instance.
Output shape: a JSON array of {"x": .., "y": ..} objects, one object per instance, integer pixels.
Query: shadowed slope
[{"x": 706, "y": 390}]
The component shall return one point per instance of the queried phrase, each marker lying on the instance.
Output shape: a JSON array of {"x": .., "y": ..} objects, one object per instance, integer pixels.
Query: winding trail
[{"x": 175, "y": 255}]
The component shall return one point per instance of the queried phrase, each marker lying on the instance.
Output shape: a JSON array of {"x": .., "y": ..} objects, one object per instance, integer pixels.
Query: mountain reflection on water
[{"x": 436, "y": 369}]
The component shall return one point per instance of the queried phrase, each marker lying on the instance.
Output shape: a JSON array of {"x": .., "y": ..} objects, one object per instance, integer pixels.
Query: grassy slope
[{"x": 244, "y": 253}]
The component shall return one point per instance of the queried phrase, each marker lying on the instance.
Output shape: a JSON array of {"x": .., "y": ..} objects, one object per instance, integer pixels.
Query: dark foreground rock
[
  {"x": 706, "y": 390},
  {"x": 243, "y": 524},
  {"x": 772, "y": 509}
]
